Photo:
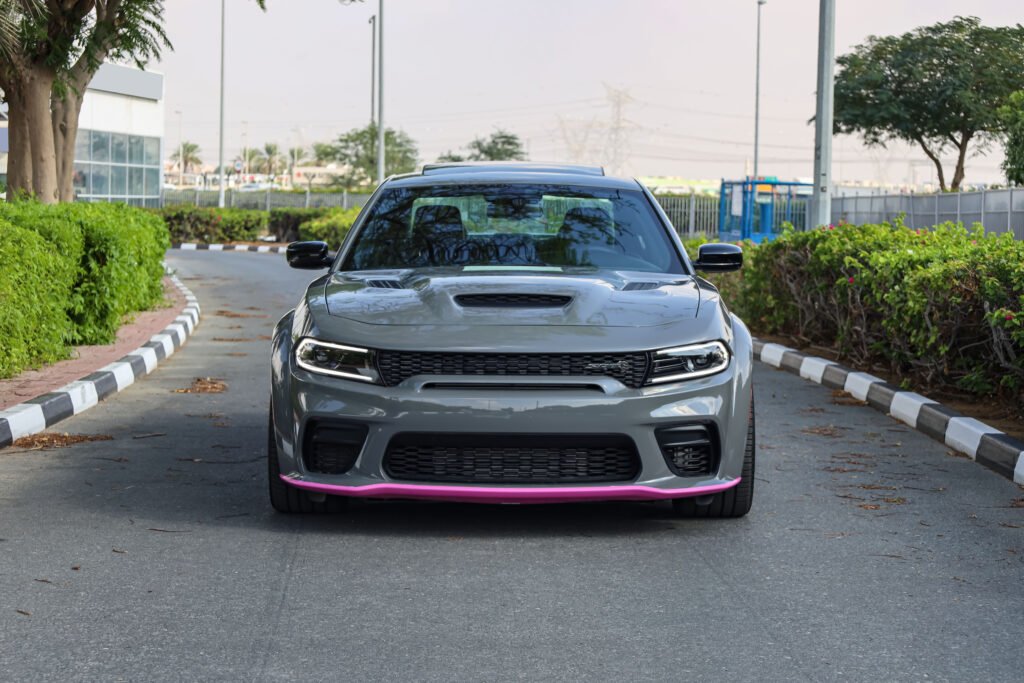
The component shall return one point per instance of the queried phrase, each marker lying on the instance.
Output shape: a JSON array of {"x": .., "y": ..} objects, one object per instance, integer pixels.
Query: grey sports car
[{"x": 512, "y": 333}]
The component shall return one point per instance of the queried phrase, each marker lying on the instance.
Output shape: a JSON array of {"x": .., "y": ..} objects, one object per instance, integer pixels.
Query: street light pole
[
  {"x": 373, "y": 67},
  {"x": 181, "y": 150},
  {"x": 220, "y": 156},
  {"x": 821, "y": 201},
  {"x": 757, "y": 87},
  {"x": 380, "y": 94}
]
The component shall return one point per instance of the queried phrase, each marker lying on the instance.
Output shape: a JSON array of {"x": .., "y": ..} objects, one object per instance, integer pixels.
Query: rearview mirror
[
  {"x": 717, "y": 257},
  {"x": 308, "y": 255}
]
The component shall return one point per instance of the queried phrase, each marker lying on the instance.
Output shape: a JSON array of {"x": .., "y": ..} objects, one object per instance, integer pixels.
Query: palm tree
[
  {"x": 186, "y": 156},
  {"x": 296, "y": 155},
  {"x": 270, "y": 159}
]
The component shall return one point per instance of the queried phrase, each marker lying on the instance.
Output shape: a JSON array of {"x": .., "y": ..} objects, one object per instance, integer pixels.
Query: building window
[{"x": 117, "y": 167}]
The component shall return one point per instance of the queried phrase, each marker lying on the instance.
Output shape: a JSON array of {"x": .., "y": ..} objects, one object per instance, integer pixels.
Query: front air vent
[
  {"x": 332, "y": 447},
  {"x": 690, "y": 450},
  {"x": 640, "y": 286},
  {"x": 385, "y": 284},
  {"x": 512, "y": 300}
]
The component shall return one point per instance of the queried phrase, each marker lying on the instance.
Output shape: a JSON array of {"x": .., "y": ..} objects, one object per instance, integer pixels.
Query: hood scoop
[
  {"x": 639, "y": 286},
  {"x": 503, "y": 300},
  {"x": 385, "y": 284}
]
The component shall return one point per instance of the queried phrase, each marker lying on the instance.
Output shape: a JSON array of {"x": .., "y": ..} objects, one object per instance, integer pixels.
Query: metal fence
[
  {"x": 264, "y": 199},
  {"x": 691, "y": 215},
  {"x": 998, "y": 210}
]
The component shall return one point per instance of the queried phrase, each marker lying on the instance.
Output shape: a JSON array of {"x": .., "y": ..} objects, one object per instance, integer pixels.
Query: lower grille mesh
[{"x": 511, "y": 458}]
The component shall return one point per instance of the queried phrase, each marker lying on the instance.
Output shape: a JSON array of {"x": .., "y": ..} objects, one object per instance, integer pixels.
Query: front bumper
[{"x": 596, "y": 405}]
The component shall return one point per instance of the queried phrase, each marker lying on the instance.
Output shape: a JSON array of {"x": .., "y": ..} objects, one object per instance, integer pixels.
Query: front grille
[
  {"x": 690, "y": 450},
  {"x": 511, "y": 458},
  {"x": 512, "y": 300},
  {"x": 332, "y": 447},
  {"x": 397, "y": 366}
]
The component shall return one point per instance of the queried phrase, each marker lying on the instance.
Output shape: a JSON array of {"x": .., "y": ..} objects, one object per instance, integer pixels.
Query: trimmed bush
[
  {"x": 943, "y": 308},
  {"x": 102, "y": 261},
  {"x": 332, "y": 227},
  {"x": 33, "y": 303},
  {"x": 213, "y": 225},
  {"x": 284, "y": 223},
  {"x": 121, "y": 271}
]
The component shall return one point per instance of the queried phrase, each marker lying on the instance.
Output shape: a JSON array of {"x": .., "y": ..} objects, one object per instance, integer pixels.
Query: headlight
[
  {"x": 350, "y": 362},
  {"x": 689, "y": 362}
]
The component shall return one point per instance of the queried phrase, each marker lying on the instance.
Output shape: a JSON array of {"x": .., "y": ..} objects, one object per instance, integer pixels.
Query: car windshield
[{"x": 512, "y": 226}]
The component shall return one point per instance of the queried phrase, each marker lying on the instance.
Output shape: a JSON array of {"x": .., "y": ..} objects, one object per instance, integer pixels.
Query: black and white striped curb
[
  {"x": 987, "y": 445},
  {"x": 261, "y": 249},
  {"x": 33, "y": 416}
]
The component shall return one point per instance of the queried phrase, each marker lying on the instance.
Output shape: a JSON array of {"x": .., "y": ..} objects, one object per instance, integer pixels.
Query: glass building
[{"x": 119, "y": 146}]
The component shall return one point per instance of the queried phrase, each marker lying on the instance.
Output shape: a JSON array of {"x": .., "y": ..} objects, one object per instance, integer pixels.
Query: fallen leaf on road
[
  {"x": 170, "y": 531},
  {"x": 841, "y": 398},
  {"x": 120, "y": 459},
  {"x": 24, "y": 612},
  {"x": 46, "y": 441},
  {"x": 1009, "y": 526},
  {"x": 812, "y": 409},
  {"x": 75, "y": 567},
  {"x": 957, "y": 454},
  {"x": 149, "y": 436},
  {"x": 236, "y": 354},
  {"x": 211, "y": 416},
  {"x": 1018, "y": 503},
  {"x": 43, "y": 580},
  {"x": 870, "y": 506},
  {"x": 234, "y": 314},
  {"x": 232, "y": 340},
  {"x": 205, "y": 385},
  {"x": 119, "y": 551},
  {"x": 876, "y": 487},
  {"x": 895, "y": 501},
  {"x": 830, "y": 431}
]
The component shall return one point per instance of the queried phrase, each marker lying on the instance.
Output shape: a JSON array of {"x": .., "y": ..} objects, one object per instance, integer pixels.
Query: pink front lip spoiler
[{"x": 479, "y": 494}]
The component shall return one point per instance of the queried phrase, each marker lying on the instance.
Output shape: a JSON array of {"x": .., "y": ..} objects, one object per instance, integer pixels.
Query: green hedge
[
  {"x": 332, "y": 227},
  {"x": 212, "y": 225},
  {"x": 100, "y": 262},
  {"x": 284, "y": 224},
  {"x": 942, "y": 308},
  {"x": 33, "y": 315}
]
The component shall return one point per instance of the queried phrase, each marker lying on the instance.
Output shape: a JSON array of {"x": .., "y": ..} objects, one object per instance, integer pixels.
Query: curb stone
[
  {"x": 194, "y": 246},
  {"x": 42, "y": 412},
  {"x": 987, "y": 445}
]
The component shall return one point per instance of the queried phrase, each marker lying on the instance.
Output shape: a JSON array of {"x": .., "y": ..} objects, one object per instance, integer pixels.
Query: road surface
[{"x": 872, "y": 553}]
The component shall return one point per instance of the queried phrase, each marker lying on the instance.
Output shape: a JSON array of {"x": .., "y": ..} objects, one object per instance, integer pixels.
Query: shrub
[
  {"x": 284, "y": 223},
  {"x": 33, "y": 311},
  {"x": 332, "y": 227},
  {"x": 121, "y": 271},
  {"x": 213, "y": 225},
  {"x": 102, "y": 262},
  {"x": 942, "y": 307}
]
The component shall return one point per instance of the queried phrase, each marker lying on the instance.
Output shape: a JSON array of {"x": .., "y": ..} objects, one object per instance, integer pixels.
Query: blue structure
[{"x": 757, "y": 209}]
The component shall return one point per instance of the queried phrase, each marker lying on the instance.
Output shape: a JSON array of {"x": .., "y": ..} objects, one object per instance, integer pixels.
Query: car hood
[{"x": 456, "y": 297}]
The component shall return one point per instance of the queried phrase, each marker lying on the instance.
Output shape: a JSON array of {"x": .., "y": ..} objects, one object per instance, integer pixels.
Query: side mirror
[
  {"x": 308, "y": 255},
  {"x": 718, "y": 257}
]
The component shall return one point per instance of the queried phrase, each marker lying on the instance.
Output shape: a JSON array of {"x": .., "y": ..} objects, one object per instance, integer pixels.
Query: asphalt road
[{"x": 871, "y": 552}]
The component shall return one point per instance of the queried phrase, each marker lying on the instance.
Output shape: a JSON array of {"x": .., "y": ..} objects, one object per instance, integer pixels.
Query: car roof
[{"x": 490, "y": 172}]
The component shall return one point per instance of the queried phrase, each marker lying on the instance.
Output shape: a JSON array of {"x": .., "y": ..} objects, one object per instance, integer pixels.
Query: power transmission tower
[
  {"x": 617, "y": 152},
  {"x": 576, "y": 136}
]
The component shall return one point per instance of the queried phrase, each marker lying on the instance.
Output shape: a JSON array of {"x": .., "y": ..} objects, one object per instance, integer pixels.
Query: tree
[
  {"x": 189, "y": 151},
  {"x": 1012, "y": 116},
  {"x": 323, "y": 153},
  {"x": 356, "y": 152},
  {"x": 49, "y": 51},
  {"x": 296, "y": 155},
  {"x": 268, "y": 160},
  {"x": 500, "y": 146},
  {"x": 937, "y": 87},
  {"x": 59, "y": 46}
]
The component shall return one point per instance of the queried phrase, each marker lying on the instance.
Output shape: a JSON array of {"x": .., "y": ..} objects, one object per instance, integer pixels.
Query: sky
[{"x": 664, "y": 87}]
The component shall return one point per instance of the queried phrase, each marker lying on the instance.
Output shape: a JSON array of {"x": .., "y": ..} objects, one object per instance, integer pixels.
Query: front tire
[
  {"x": 288, "y": 499},
  {"x": 735, "y": 502}
]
